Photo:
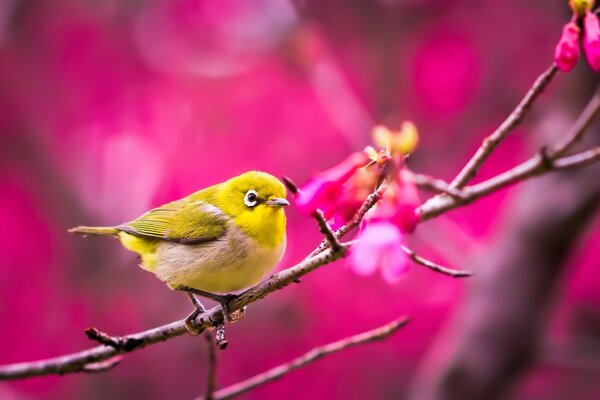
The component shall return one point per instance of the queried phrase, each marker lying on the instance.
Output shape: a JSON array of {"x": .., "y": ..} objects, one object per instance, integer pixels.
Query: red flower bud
[
  {"x": 591, "y": 40},
  {"x": 566, "y": 53}
]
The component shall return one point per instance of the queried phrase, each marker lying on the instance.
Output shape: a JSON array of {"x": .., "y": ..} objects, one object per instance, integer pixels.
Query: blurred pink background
[{"x": 108, "y": 108}]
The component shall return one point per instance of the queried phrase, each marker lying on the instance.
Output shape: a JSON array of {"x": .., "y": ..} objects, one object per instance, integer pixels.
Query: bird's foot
[
  {"x": 223, "y": 299},
  {"x": 237, "y": 314},
  {"x": 199, "y": 309}
]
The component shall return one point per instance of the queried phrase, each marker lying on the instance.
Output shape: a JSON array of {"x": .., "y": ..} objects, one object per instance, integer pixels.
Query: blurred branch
[
  {"x": 211, "y": 374},
  {"x": 431, "y": 184},
  {"x": 578, "y": 128},
  {"x": 435, "y": 267},
  {"x": 315, "y": 354},
  {"x": 360, "y": 214},
  {"x": 510, "y": 123}
]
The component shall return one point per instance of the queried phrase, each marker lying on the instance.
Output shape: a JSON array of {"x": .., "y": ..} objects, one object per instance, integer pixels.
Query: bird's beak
[{"x": 276, "y": 202}]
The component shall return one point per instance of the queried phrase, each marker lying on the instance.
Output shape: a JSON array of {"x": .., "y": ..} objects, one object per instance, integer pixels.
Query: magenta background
[{"x": 108, "y": 108}]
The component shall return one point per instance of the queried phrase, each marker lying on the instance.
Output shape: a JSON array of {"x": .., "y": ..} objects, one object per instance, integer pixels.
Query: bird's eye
[{"x": 251, "y": 198}]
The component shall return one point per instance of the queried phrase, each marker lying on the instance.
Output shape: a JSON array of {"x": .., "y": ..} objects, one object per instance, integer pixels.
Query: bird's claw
[
  {"x": 224, "y": 301},
  {"x": 189, "y": 323},
  {"x": 237, "y": 315}
]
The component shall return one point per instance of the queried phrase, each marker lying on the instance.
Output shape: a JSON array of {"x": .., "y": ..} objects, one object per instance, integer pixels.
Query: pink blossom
[
  {"x": 379, "y": 247},
  {"x": 566, "y": 53},
  {"x": 323, "y": 191},
  {"x": 591, "y": 40},
  {"x": 406, "y": 218},
  {"x": 398, "y": 205},
  {"x": 353, "y": 194}
]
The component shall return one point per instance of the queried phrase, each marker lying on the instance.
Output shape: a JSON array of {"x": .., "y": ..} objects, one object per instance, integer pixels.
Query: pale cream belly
[{"x": 229, "y": 264}]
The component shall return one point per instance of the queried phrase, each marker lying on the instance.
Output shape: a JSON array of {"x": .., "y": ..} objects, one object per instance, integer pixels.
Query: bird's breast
[{"x": 231, "y": 263}]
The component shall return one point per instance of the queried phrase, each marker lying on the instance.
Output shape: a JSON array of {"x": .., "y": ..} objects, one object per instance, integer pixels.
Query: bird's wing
[{"x": 182, "y": 221}]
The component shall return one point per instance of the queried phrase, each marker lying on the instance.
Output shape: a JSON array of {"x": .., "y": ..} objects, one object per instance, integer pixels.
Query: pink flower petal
[
  {"x": 324, "y": 189},
  {"x": 398, "y": 205},
  {"x": 378, "y": 242},
  {"x": 395, "y": 265},
  {"x": 362, "y": 260},
  {"x": 406, "y": 218}
]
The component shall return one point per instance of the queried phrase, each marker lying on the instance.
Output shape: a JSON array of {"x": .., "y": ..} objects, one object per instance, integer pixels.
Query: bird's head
[{"x": 255, "y": 201}]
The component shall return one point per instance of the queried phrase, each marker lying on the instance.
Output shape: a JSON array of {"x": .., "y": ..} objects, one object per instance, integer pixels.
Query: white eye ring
[{"x": 251, "y": 198}]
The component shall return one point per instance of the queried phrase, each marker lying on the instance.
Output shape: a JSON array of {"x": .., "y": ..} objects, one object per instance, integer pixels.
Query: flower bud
[
  {"x": 400, "y": 142},
  {"x": 591, "y": 40},
  {"x": 566, "y": 53},
  {"x": 580, "y": 7}
]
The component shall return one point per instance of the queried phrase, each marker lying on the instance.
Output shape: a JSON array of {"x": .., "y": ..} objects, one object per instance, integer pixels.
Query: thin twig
[
  {"x": 315, "y": 354},
  {"x": 578, "y": 128},
  {"x": 326, "y": 230},
  {"x": 116, "y": 342},
  {"x": 211, "y": 373},
  {"x": 360, "y": 214},
  {"x": 435, "y": 267},
  {"x": 431, "y": 184},
  {"x": 510, "y": 123}
]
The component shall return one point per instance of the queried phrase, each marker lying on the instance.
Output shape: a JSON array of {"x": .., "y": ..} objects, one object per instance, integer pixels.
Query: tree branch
[
  {"x": 211, "y": 373},
  {"x": 546, "y": 160},
  {"x": 77, "y": 362},
  {"x": 535, "y": 166},
  {"x": 435, "y": 185},
  {"x": 543, "y": 162},
  {"x": 510, "y": 123},
  {"x": 326, "y": 231},
  {"x": 315, "y": 354}
]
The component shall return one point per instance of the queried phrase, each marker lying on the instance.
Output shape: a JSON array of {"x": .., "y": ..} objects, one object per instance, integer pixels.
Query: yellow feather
[{"x": 146, "y": 248}]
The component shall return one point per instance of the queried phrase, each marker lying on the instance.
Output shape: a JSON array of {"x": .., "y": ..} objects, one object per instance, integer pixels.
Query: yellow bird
[{"x": 216, "y": 241}]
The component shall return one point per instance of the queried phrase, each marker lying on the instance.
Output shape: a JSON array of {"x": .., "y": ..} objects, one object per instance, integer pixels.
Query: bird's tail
[{"x": 95, "y": 230}]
